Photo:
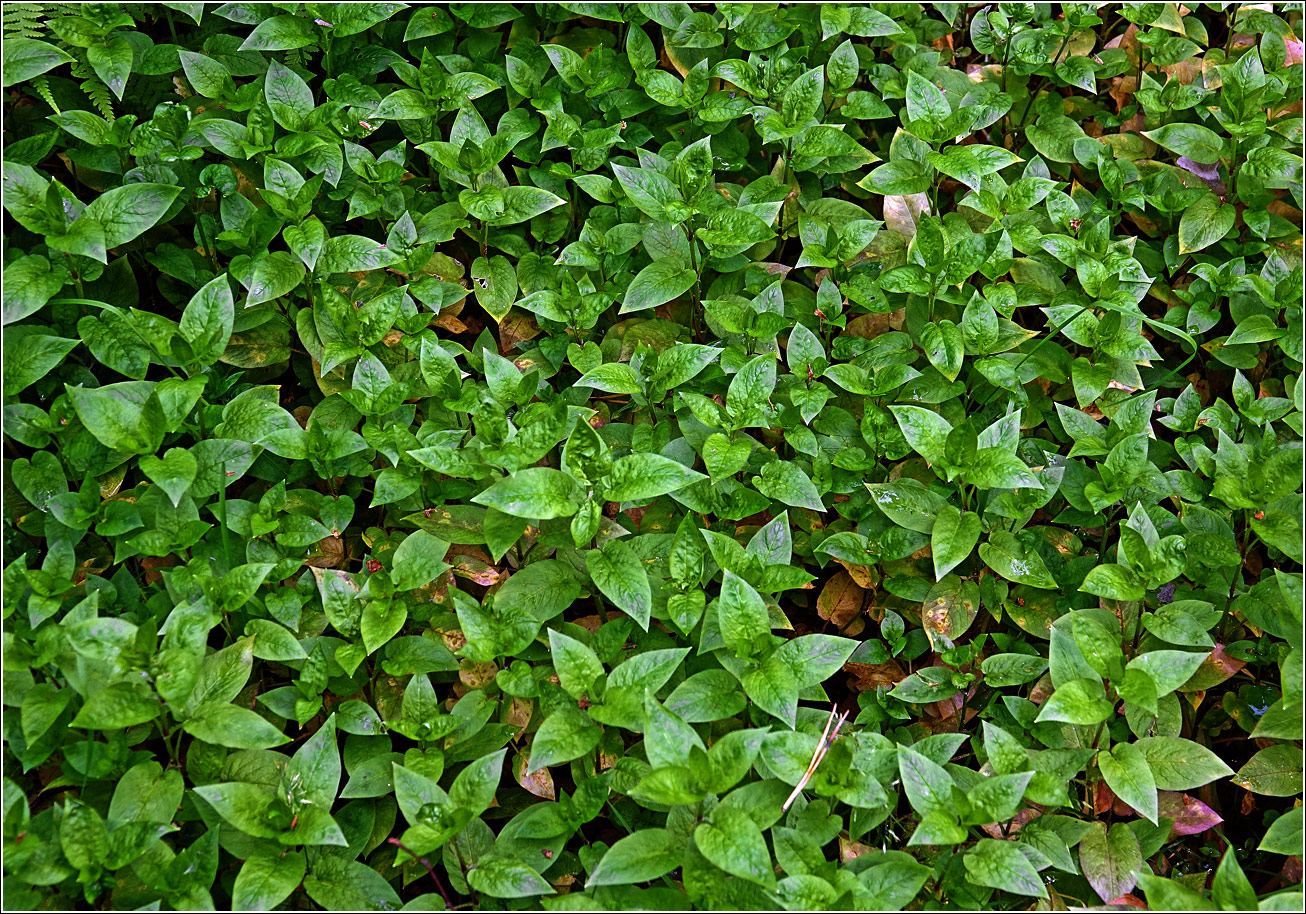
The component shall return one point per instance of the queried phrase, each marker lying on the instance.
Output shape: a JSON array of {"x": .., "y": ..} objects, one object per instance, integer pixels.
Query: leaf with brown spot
[
  {"x": 519, "y": 713},
  {"x": 477, "y": 675},
  {"x": 540, "y": 783}
]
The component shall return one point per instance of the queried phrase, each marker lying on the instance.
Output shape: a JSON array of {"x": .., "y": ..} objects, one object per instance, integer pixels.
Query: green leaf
[
  {"x": 118, "y": 706},
  {"x": 352, "y": 254},
  {"x": 943, "y": 344},
  {"x": 656, "y": 284},
  {"x": 788, "y": 484},
  {"x": 522, "y": 203},
  {"x": 1002, "y": 865},
  {"x": 280, "y": 33},
  {"x": 127, "y": 212},
  {"x": 1285, "y": 834},
  {"x": 287, "y": 95},
  {"x": 773, "y": 688},
  {"x": 418, "y": 560},
  {"x": 335, "y": 881},
  {"x": 802, "y": 100},
  {"x": 173, "y": 474},
  {"x": 1205, "y": 222},
  {"x": 925, "y": 430},
  {"x": 927, "y": 784},
  {"x": 732, "y": 841},
  {"x": 502, "y": 877},
  {"x": 639, "y": 857},
  {"x": 742, "y": 614},
  {"x": 266, "y": 880},
  {"x": 32, "y": 354},
  {"x": 1201, "y": 144},
  {"x": 578, "y": 667},
  {"x": 1230, "y": 888},
  {"x": 231, "y": 726},
  {"x": 274, "y": 275},
  {"x": 1079, "y": 701},
  {"x": 648, "y": 190},
  {"x": 208, "y": 320},
  {"x": 82, "y": 835},
  {"x": 28, "y": 284},
  {"x": 1181, "y": 764},
  {"x": 1127, "y": 773},
  {"x": 496, "y": 285},
  {"x": 316, "y": 766},
  {"x": 751, "y": 386},
  {"x": 925, "y": 102},
  {"x": 112, "y": 62},
  {"x": 953, "y": 538},
  {"x": 538, "y": 493},
  {"x": 25, "y": 58},
  {"x": 640, "y": 477},
  {"x": 565, "y": 735},
  {"x": 908, "y": 503},
  {"x": 619, "y": 576},
  {"x": 1007, "y": 555},
  {"x": 1168, "y": 895},
  {"x": 207, "y": 76},
  {"x": 1275, "y": 771}
]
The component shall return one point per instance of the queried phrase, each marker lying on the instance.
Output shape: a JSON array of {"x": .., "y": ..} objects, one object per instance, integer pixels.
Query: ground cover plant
[{"x": 652, "y": 455}]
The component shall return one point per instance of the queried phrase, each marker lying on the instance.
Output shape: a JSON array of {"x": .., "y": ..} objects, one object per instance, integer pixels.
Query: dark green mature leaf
[
  {"x": 657, "y": 284},
  {"x": 126, "y": 212},
  {"x": 25, "y": 58},
  {"x": 639, "y": 857},
  {"x": 742, "y": 614},
  {"x": 619, "y": 576},
  {"x": 733, "y": 842},
  {"x": 1002, "y": 865}
]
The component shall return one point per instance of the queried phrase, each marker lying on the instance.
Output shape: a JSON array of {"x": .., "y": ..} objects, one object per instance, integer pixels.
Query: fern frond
[
  {"x": 42, "y": 87},
  {"x": 294, "y": 58},
  {"x": 94, "y": 89},
  {"x": 25, "y": 20},
  {"x": 99, "y": 95}
]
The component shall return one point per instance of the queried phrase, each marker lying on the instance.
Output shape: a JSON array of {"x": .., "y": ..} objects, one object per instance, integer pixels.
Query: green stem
[{"x": 204, "y": 240}]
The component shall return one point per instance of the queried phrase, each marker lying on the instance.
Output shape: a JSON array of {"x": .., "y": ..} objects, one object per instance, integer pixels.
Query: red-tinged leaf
[
  {"x": 1215, "y": 669},
  {"x": 1129, "y": 900},
  {"x": 1191, "y": 816}
]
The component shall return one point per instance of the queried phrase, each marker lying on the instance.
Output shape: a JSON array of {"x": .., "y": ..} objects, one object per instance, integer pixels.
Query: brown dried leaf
[
  {"x": 328, "y": 552},
  {"x": 869, "y": 326},
  {"x": 841, "y": 600},
  {"x": 450, "y": 323},
  {"x": 851, "y": 850},
  {"x": 867, "y": 677}
]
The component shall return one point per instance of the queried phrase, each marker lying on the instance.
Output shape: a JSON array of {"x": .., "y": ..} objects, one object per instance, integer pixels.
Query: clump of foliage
[{"x": 458, "y": 455}]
